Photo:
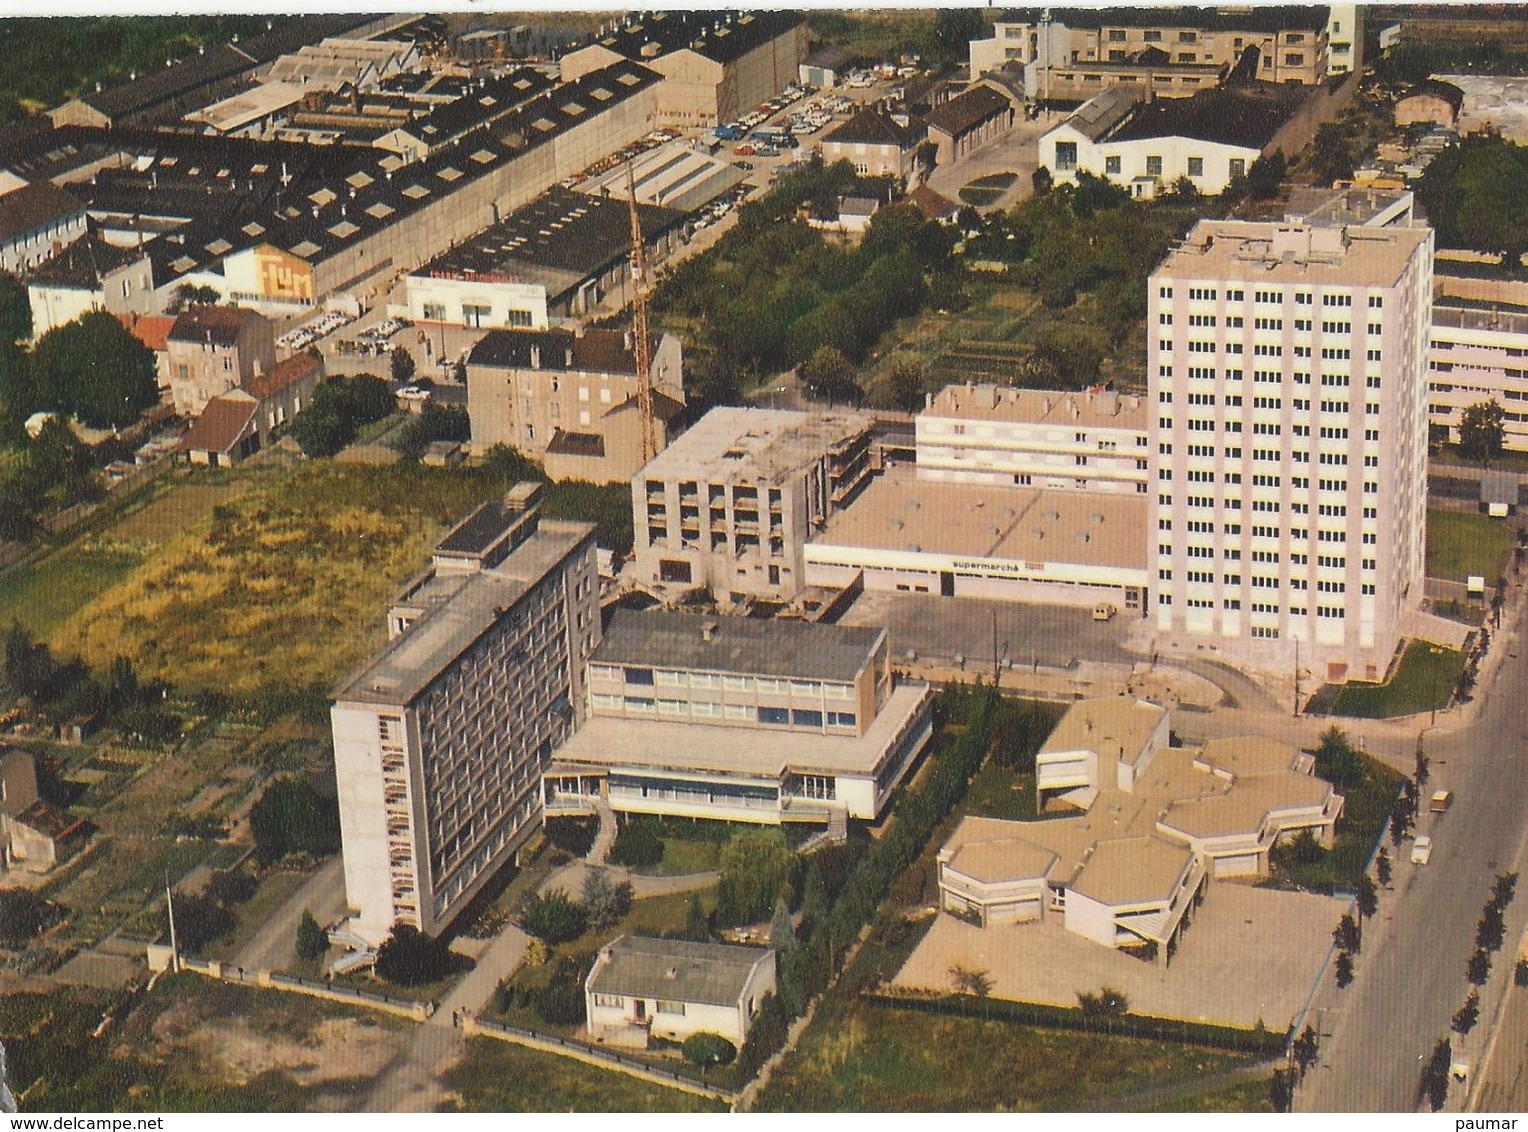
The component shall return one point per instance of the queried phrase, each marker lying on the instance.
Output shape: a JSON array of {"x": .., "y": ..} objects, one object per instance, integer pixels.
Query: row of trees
[
  {"x": 65, "y": 689},
  {"x": 339, "y": 407}
]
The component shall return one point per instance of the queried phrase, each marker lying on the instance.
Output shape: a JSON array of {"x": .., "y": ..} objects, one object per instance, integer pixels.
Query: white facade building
[
  {"x": 440, "y": 740},
  {"x": 1479, "y": 355},
  {"x": 1287, "y": 368},
  {"x": 1094, "y": 441}
]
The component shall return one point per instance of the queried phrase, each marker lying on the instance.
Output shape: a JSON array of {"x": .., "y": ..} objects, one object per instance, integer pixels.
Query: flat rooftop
[
  {"x": 1262, "y": 252},
  {"x": 409, "y": 663},
  {"x": 731, "y": 445},
  {"x": 694, "y": 641},
  {"x": 1132, "y": 870},
  {"x": 1100, "y": 724},
  {"x": 988, "y": 402},
  {"x": 1504, "y": 320},
  {"x": 742, "y": 752},
  {"x": 895, "y": 511},
  {"x": 678, "y": 970}
]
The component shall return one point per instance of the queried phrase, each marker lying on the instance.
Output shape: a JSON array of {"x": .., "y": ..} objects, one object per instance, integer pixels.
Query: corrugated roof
[
  {"x": 1247, "y": 117},
  {"x": 719, "y": 36}
]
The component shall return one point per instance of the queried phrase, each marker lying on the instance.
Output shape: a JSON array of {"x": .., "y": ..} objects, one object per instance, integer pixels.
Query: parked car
[
  {"x": 744, "y": 150},
  {"x": 744, "y": 164},
  {"x": 1103, "y": 611},
  {"x": 1421, "y": 851}
]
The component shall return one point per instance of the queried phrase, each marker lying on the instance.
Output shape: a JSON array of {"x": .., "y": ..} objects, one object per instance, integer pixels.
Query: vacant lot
[
  {"x": 1461, "y": 543},
  {"x": 495, "y": 1076},
  {"x": 281, "y": 585},
  {"x": 878, "y": 1058}
]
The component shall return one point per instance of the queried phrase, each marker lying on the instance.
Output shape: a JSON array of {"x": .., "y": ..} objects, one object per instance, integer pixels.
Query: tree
[
  {"x": 606, "y": 902},
  {"x": 1332, "y": 157},
  {"x": 311, "y": 940},
  {"x": 561, "y": 1000},
  {"x": 904, "y": 384},
  {"x": 1280, "y": 1093},
  {"x": 756, "y": 869},
  {"x": 292, "y": 817},
  {"x": 1491, "y": 931},
  {"x": 1017, "y": 731},
  {"x": 1435, "y": 1075},
  {"x": 1481, "y": 431},
  {"x": 1344, "y": 969},
  {"x": 829, "y": 376},
  {"x": 696, "y": 926},
  {"x": 1478, "y": 969},
  {"x": 1345, "y": 934},
  {"x": 411, "y": 958},
  {"x": 1266, "y": 176},
  {"x": 24, "y": 915},
  {"x": 636, "y": 846},
  {"x": 1421, "y": 773},
  {"x": 1336, "y": 759},
  {"x": 365, "y": 398},
  {"x": 434, "y": 422},
  {"x": 94, "y": 369},
  {"x": 191, "y": 294},
  {"x": 402, "y": 364},
  {"x": 1382, "y": 868},
  {"x": 968, "y": 980},
  {"x": 321, "y": 429},
  {"x": 1467, "y": 1015},
  {"x": 706, "y": 1049},
  {"x": 1367, "y": 898},
  {"x": 1503, "y": 888},
  {"x": 553, "y": 916},
  {"x": 954, "y": 29},
  {"x": 235, "y": 887},
  {"x": 1306, "y": 1050},
  {"x": 15, "y": 310},
  {"x": 782, "y": 932},
  {"x": 199, "y": 920}
]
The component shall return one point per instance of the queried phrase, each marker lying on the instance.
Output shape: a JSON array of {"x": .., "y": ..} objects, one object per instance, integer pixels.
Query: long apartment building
[
  {"x": 729, "y": 506},
  {"x": 1479, "y": 354},
  {"x": 1095, "y": 441},
  {"x": 440, "y": 740},
  {"x": 747, "y": 720},
  {"x": 1287, "y": 369}
]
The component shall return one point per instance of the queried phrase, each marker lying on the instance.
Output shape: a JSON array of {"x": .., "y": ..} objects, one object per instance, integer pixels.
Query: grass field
[
  {"x": 1460, "y": 543},
  {"x": 999, "y": 793},
  {"x": 1239, "y": 1096},
  {"x": 495, "y": 1076},
  {"x": 282, "y": 585},
  {"x": 1423, "y": 680},
  {"x": 42, "y": 595},
  {"x": 877, "y": 1058},
  {"x": 683, "y": 856}
]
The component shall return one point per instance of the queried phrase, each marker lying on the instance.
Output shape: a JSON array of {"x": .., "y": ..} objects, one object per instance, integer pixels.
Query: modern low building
[
  {"x": 875, "y": 143},
  {"x": 1287, "y": 363},
  {"x": 214, "y": 349},
  {"x": 641, "y": 988},
  {"x": 1154, "y": 825},
  {"x": 1477, "y": 354},
  {"x": 1094, "y": 441},
  {"x": 440, "y": 740},
  {"x": 558, "y": 257},
  {"x": 741, "y": 719},
  {"x": 235, "y": 425},
  {"x": 88, "y": 275},
  {"x": 729, "y": 505},
  {"x": 37, "y": 222},
  {"x": 1007, "y": 543},
  {"x": 716, "y": 65},
  {"x": 571, "y": 398}
]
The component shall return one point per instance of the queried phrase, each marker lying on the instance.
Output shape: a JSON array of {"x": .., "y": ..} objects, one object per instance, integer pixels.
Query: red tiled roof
[
  {"x": 935, "y": 206},
  {"x": 221, "y": 424},
  {"x": 296, "y": 368},
  {"x": 153, "y": 330}
]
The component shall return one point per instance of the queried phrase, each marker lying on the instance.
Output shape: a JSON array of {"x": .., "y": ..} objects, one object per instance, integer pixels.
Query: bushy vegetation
[
  {"x": 708, "y": 1049},
  {"x": 292, "y": 817},
  {"x": 339, "y": 407},
  {"x": 1473, "y": 194},
  {"x": 24, "y": 915},
  {"x": 553, "y": 916},
  {"x": 636, "y": 846},
  {"x": 757, "y": 867},
  {"x": 411, "y": 958},
  {"x": 434, "y": 422}
]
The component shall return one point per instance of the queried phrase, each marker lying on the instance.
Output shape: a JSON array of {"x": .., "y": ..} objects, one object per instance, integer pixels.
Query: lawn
[
  {"x": 45, "y": 593},
  {"x": 1365, "y": 813},
  {"x": 495, "y": 1076},
  {"x": 684, "y": 856},
  {"x": 1505, "y": 462},
  {"x": 999, "y": 793},
  {"x": 877, "y": 1058},
  {"x": 322, "y": 548},
  {"x": 1461, "y": 543},
  {"x": 1239, "y": 1096},
  {"x": 1422, "y": 681}
]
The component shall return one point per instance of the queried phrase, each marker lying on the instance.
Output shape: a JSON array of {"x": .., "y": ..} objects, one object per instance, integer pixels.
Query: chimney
[
  {"x": 535, "y": 357},
  {"x": 708, "y": 630},
  {"x": 627, "y": 340},
  {"x": 567, "y": 359}
]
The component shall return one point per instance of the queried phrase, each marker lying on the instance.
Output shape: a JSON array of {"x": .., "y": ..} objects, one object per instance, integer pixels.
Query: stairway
[
  {"x": 604, "y": 840},
  {"x": 836, "y": 833}
]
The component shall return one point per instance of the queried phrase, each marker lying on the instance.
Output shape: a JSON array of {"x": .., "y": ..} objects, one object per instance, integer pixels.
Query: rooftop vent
[{"x": 708, "y": 630}]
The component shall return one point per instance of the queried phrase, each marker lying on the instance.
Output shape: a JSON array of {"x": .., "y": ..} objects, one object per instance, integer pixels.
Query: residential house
[
  {"x": 34, "y": 833},
  {"x": 641, "y": 988},
  {"x": 37, "y": 221},
  {"x": 237, "y": 424},
  {"x": 875, "y": 143},
  {"x": 214, "y": 349},
  {"x": 88, "y": 275}
]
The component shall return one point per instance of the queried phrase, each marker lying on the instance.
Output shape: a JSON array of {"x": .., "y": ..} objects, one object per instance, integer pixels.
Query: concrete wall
[
  {"x": 1089, "y": 918},
  {"x": 363, "y": 820},
  {"x": 525, "y": 299}
]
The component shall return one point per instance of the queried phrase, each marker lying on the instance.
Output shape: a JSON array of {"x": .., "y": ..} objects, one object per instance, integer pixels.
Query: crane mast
[{"x": 641, "y": 343}]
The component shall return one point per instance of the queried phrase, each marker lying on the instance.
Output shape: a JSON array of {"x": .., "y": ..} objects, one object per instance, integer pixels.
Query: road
[
  {"x": 274, "y": 946},
  {"x": 1411, "y": 977}
]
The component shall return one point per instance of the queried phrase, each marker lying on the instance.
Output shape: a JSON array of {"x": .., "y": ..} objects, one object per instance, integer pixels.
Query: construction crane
[{"x": 642, "y": 344}]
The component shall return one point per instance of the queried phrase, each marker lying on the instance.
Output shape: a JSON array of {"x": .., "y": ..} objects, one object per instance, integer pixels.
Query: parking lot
[{"x": 1251, "y": 954}]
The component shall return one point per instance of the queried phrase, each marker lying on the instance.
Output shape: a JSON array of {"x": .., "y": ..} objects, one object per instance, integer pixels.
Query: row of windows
[{"x": 1302, "y": 298}]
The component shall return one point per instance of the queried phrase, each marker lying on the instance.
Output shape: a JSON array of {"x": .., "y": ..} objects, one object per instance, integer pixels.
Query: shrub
[
  {"x": 574, "y": 835},
  {"x": 553, "y": 917},
  {"x": 410, "y": 958},
  {"x": 757, "y": 867},
  {"x": 232, "y": 888},
  {"x": 561, "y": 1000},
  {"x": 606, "y": 902},
  {"x": 311, "y": 941},
  {"x": 24, "y": 915},
  {"x": 708, "y": 1049},
  {"x": 199, "y": 920},
  {"x": 636, "y": 846}
]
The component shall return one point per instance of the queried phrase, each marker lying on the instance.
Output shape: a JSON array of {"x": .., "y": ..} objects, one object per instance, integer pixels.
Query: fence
[
  {"x": 580, "y": 1051},
  {"x": 217, "y": 969}
]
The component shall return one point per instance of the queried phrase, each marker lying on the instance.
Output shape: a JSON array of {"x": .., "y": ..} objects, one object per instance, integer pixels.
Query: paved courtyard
[{"x": 1250, "y": 954}]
